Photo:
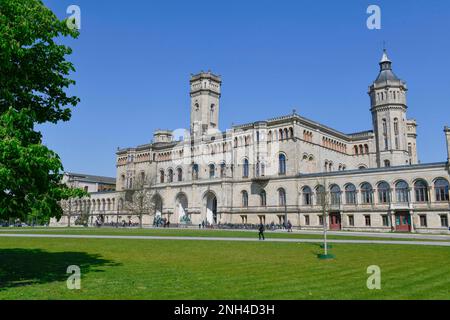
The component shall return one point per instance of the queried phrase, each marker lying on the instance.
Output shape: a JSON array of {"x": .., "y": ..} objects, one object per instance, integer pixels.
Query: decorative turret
[
  {"x": 447, "y": 138},
  {"x": 388, "y": 106}
]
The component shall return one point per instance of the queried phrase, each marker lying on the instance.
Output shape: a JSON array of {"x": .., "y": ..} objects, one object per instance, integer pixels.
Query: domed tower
[{"x": 388, "y": 107}]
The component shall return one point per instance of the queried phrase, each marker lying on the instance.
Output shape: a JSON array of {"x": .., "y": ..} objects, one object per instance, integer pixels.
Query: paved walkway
[
  {"x": 391, "y": 235},
  {"x": 68, "y": 236}
]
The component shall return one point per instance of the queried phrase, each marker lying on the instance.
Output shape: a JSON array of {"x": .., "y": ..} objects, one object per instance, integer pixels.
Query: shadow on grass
[{"x": 22, "y": 267}]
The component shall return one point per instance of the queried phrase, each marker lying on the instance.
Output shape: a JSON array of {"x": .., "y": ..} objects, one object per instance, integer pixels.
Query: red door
[
  {"x": 402, "y": 222},
  {"x": 335, "y": 221}
]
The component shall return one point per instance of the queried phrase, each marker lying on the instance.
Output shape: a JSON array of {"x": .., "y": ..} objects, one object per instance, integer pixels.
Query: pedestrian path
[{"x": 71, "y": 236}]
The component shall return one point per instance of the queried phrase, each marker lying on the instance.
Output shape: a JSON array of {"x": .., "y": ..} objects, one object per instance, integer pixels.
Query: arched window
[
  {"x": 384, "y": 192},
  {"x": 307, "y": 196},
  {"x": 245, "y": 169},
  {"x": 355, "y": 150},
  {"x": 291, "y": 133},
  {"x": 161, "y": 176},
  {"x": 170, "y": 175},
  {"x": 320, "y": 195},
  {"x": 282, "y": 164},
  {"x": 180, "y": 174},
  {"x": 212, "y": 171},
  {"x": 335, "y": 193},
  {"x": 282, "y": 197},
  {"x": 350, "y": 194},
  {"x": 387, "y": 163},
  {"x": 263, "y": 199},
  {"x": 223, "y": 168},
  {"x": 421, "y": 191},
  {"x": 402, "y": 192},
  {"x": 366, "y": 193},
  {"x": 441, "y": 189},
  {"x": 195, "y": 170},
  {"x": 244, "y": 199}
]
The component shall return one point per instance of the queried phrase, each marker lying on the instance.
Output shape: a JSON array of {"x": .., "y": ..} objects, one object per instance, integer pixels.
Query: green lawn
[
  {"x": 189, "y": 233},
  {"x": 171, "y": 269}
]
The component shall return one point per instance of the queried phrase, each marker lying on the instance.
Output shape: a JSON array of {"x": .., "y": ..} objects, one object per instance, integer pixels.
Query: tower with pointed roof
[{"x": 388, "y": 107}]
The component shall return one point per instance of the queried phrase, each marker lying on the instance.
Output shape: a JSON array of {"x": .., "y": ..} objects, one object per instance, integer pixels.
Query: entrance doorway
[
  {"x": 211, "y": 208},
  {"x": 402, "y": 221},
  {"x": 335, "y": 221}
]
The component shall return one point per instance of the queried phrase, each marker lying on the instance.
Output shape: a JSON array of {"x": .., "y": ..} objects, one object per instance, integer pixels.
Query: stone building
[{"x": 286, "y": 168}]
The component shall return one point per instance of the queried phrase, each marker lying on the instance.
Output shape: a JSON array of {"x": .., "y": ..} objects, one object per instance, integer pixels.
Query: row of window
[
  {"x": 423, "y": 221},
  {"x": 401, "y": 192},
  {"x": 260, "y": 170}
]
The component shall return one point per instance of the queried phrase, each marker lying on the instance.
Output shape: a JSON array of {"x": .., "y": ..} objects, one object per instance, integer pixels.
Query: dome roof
[{"x": 386, "y": 73}]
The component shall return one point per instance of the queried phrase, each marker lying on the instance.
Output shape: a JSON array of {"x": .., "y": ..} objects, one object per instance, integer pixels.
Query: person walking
[
  {"x": 261, "y": 232},
  {"x": 289, "y": 225}
]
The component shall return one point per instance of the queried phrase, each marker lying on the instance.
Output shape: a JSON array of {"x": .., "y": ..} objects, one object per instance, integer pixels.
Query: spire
[{"x": 385, "y": 63}]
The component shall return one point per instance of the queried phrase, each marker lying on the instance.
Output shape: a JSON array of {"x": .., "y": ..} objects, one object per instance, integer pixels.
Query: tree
[
  {"x": 323, "y": 199},
  {"x": 138, "y": 198},
  {"x": 32, "y": 91}
]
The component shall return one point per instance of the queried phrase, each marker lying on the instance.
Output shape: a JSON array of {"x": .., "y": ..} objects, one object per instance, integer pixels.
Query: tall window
[
  {"x": 223, "y": 168},
  {"x": 366, "y": 193},
  {"x": 307, "y": 196},
  {"x": 384, "y": 192},
  {"x": 421, "y": 191},
  {"x": 263, "y": 199},
  {"x": 441, "y": 190},
  {"x": 212, "y": 171},
  {"x": 396, "y": 134},
  {"x": 320, "y": 195},
  {"x": 282, "y": 164},
  {"x": 244, "y": 199},
  {"x": 179, "y": 174},
  {"x": 350, "y": 194},
  {"x": 170, "y": 175},
  {"x": 195, "y": 172},
  {"x": 245, "y": 169},
  {"x": 402, "y": 192},
  {"x": 161, "y": 176},
  {"x": 335, "y": 193},
  {"x": 385, "y": 134},
  {"x": 282, "y": 197}
]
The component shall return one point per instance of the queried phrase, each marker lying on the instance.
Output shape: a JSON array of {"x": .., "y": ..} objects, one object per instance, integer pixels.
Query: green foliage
[
  {"x": 32, "y": 66},
  {"x": 29, "y": 172},
  {"x": 33, "y": 80}
]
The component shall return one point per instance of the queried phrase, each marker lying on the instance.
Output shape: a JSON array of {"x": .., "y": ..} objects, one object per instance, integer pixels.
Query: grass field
[{"x": 171, "y": 269}]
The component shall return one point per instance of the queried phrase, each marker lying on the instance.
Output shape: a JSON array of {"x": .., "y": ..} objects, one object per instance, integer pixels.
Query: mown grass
[
  {"x": 33, "y": 268},
  {"x": 192, "y": 233}
]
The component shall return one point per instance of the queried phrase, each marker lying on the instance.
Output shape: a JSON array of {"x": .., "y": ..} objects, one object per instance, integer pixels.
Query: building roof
[
  {"x": 90, "y": 178},
  {"x": 386, "y": 73}
]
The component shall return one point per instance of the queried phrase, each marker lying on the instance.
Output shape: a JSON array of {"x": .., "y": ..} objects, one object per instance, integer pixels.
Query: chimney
[{"x": 447, "y": 138}]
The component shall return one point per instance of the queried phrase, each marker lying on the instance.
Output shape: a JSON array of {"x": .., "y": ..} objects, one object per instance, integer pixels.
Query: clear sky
[{"x": 134, "y": 59}]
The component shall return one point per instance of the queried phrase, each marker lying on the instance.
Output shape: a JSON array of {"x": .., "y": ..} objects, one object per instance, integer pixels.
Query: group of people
[{"x": 262, "y": 229}]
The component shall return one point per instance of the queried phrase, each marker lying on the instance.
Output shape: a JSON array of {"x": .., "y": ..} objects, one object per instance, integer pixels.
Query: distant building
[
  {"x": 278, "y": 169},
  {"x": 89, "y": 183}
]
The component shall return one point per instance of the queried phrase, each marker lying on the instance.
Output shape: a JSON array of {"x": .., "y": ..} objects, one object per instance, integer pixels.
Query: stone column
[{"x": 447, "y": 138}]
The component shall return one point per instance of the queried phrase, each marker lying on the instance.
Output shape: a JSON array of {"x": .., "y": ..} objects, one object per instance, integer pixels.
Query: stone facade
[{"x": 277, "y": 170}]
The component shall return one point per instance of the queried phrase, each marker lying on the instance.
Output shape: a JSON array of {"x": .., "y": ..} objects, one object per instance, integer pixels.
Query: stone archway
[
  {"x": 181, "y": 208},
  {"x": 210, "y": 201}
]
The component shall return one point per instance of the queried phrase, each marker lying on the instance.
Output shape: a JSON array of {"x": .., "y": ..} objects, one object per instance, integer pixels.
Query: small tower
[
  {"x": 205, "y": 98},
  {"x": 388, "y": 107},
  {"x": 447, "y": 138}
]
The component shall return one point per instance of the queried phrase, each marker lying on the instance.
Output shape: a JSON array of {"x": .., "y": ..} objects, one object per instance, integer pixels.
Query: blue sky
[{"x": 134, "y": 59}]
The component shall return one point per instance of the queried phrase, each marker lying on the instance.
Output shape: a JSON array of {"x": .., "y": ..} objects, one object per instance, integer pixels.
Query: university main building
[{"x": 286, "y": 168}]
